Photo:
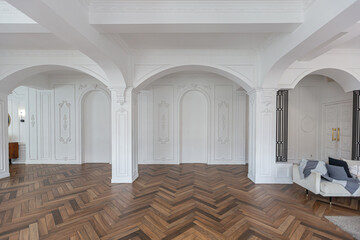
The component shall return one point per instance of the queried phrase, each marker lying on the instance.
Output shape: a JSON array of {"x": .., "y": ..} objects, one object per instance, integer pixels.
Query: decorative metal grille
[
  {"x": 356, "y": 126},
  {"x": 282, "y": 125}
]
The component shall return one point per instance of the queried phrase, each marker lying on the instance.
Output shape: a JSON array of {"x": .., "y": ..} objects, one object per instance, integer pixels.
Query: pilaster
[
  {"x": 4, "y": 142},
  {"x": 124, "y": 169},
  {"x": 262, "y": 139}
]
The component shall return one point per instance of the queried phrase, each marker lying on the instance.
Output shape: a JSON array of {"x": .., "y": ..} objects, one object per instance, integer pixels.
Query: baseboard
[
  {"x": 227, "y": 163},
  {"x": 272, "y": 180},
  {"x": 4, "y": 175},
  {"x": 121, "y": 180},
  {"x": 135, "y": 176},
  {"x": 54, "y": 162},
  {"x": 251, "y": 177}
]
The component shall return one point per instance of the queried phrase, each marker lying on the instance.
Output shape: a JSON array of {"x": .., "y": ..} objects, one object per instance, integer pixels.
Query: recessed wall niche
[{"x": 192, "y": 117}]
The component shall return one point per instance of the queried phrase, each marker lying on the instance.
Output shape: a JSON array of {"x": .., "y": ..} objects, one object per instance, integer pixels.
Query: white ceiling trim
[{"x": 295, "y": 6}]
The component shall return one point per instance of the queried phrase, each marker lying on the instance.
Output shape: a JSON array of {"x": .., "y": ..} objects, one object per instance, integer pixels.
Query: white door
[
  {"x": 345, "y": 130},
  {"x": 338, "y": 130},
  {"x": 194, "y": 124},
  {"x": 331, "y": 123},
  {"x": 96, "y": 144}
]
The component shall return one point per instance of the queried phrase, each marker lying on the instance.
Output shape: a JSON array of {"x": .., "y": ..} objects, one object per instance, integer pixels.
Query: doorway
[
  {"x": 96, "y": 142},
  {"x": 337, "y": 120},
  {"x": 194, "y": 127}
]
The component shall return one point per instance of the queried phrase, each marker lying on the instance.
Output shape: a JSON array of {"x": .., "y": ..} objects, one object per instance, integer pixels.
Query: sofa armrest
[{"x": 311, "y": 183}]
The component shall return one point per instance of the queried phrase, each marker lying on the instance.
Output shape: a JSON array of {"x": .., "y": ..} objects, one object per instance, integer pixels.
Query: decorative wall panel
[
  {"x": 65, "y": 144},
  {"x": 44, "y": 130},
  {"x": 163, "y": 122},
  {"x": 223, "y": 123},
  {"x": 33, "y": 139},
  {"x": 145, "y": 142},
  {"x": 240, "y": 127},
  {"x": 163, "y": 125},
  {"x": 64, "y": 122}
]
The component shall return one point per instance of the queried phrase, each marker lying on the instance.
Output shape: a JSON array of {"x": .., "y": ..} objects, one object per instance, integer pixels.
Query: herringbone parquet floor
[{"x": 191, "y": 201}]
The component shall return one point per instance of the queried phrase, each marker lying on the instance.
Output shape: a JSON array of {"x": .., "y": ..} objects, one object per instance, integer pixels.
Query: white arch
[
  {"x": 345, "y": 78},
  {"x": 13, "y": 78},
  {"x": 236, "y": 77}
]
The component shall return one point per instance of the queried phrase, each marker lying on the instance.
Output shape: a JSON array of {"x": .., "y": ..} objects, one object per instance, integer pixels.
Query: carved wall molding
[
  {"x": 163, "y": 122},
  {"x": 223, "y": 122},
  {"x": 64, "y": 122},
  {"x": 119, "y": 94}
]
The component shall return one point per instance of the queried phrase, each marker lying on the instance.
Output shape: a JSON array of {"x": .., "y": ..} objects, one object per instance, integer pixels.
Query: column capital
[{"x": 120, "y": 93}]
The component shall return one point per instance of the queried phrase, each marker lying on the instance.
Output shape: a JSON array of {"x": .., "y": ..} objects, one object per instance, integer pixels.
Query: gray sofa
[{"x": 316, "y": 185}]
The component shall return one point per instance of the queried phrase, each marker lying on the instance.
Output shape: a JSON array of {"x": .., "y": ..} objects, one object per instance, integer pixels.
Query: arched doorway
[
  {"x": 51, "y": 117},
  {"x": 95, "y": 122},
  {"x": 194, "y": 128},
  {"x": 192, "y": 117},
  {"x": 320, "y": 119}
]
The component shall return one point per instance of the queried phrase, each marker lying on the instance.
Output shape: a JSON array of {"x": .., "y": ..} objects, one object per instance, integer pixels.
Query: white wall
[
  {"x": 161, "y": 119},
  {"x": 17, "y": 103},
  {"x": 53, "y": 118},
  {"x": 96, "y": 141},
  {"x": 306, "y": 105}
]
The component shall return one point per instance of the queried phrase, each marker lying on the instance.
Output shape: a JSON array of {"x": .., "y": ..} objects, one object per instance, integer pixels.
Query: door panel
[
  {"x": 338, "y": 130},
  {"x": 345, "y": 125},
  {"x": 331, "y": 119}
]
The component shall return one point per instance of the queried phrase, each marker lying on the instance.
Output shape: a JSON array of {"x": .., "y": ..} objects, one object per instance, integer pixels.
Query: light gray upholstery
[{"x": 315, "y": 184}]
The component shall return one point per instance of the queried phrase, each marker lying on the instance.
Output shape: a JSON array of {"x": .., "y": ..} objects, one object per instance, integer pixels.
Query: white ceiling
[{"x": 195, "y": 40}]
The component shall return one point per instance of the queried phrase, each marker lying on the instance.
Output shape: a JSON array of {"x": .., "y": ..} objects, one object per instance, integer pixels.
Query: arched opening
[
  {"x": 191, "y": 117},
  {"x": 227, "y": 73},
  {"x": 45, "y": 105},
  {"x": 95, "y": 126},
  {"x": 347, "y": 79},
  {"x": 320, "y": 118},
  {"x": 194, "y": 123}
]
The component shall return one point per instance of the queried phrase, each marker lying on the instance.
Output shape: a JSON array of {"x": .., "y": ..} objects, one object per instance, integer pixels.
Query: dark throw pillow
[
  {"x": 340, "y": 163},
  {"x": 336, "y": 172}
]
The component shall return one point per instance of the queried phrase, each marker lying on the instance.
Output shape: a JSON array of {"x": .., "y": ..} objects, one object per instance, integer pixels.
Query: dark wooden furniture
[{"x": 13, "y": 151}]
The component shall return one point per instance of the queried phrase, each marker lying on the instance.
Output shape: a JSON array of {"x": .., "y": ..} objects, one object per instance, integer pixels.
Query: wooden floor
[{"x": 192, "y": 201}]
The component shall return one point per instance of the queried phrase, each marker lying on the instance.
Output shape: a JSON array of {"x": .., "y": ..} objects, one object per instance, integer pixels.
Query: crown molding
[{"x": 176, "y": 6}]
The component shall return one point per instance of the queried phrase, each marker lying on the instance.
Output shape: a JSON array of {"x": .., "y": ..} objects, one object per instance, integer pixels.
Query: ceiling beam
[
  {"x": 314, "y": 32},
  {"x": 195, "y": 16},
  {"x": 68, "y": 20}
]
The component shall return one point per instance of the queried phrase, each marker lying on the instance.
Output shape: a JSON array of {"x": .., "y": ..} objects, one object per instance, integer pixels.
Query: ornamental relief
[
  {"x": 32, "y": 120},
  {"x": 163, "y": 122},
  {"x": 64, "y": 122},
  {"x": 223, "y": 122}
]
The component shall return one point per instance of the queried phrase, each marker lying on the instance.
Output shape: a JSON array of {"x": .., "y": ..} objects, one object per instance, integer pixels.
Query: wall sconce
[{"x": 22, "y": 116}]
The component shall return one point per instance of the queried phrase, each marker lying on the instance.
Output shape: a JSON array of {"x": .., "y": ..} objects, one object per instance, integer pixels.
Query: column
[
  {"x": 263, "y": 167},
  {"x": 281, "y": 125},
  {"x": 355, "y": 153},
  {"x": 124, "y": 166},
  {"x": 4, "y": 142}
]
